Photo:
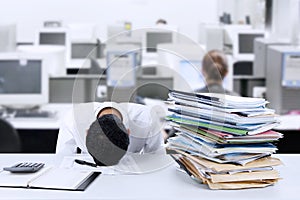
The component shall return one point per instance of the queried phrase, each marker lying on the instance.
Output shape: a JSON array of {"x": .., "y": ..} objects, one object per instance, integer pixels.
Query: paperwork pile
[{"x": 224, "y": 141}]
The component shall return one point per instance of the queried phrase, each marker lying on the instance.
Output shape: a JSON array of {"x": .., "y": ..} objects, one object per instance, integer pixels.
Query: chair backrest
[{"x": 9, "y": 138}]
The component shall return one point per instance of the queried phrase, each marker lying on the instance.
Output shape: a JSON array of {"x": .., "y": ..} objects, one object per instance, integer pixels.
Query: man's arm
[
  {"x": 155, "y": 140},
  {"x": 66, "y": 143},
  {"x": 154, "y": 144}
]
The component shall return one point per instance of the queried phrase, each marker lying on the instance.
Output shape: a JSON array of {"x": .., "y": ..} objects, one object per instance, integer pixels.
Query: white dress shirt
[{"x": 144, "y": 125}]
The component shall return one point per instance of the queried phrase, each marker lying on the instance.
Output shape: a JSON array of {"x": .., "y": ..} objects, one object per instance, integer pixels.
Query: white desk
[
  {"x": 42, "y": 123},
  {"x": 167, "y": 183},
  {"x": 289, "y": 122},
  {"x": 39, "y": 135}
]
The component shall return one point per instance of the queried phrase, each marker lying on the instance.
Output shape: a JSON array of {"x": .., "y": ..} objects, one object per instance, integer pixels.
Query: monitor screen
[
  {"x": 191, "y": 73},
  {"x": 246, "y": 42},
  {"x": 24, "y": 81},
  {"x": 155, "y": 38},
  {"x": 84, "y": 50},
  {"x": 291, "y": 70},
  {"x": 52, "y": 38},
  {"x": 20, "y": 77},
  {"x": 121, "y": 69}
]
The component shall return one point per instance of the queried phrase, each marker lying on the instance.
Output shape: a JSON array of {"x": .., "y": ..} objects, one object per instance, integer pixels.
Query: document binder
[{"x": 50, "y": 178}]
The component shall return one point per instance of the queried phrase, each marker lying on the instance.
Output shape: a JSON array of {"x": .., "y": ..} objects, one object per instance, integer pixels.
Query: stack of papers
[{"x": 223, "y": 140}]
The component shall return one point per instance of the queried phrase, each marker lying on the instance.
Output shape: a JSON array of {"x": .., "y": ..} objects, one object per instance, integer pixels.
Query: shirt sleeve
[
  {"x": 155, "y": 141},
  {"x": 66, "y": 143}
]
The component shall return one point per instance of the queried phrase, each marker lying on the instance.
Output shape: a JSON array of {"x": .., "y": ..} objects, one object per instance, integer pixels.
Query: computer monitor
[
  {"x": 243, "y": 43},
  {"x": 154, "y": 37},
  {"x": 82, "y": 53},
  {"x": 230, "y": 32},
  {"x": 211, "y": 36},
  {"x": 174, "y": 58},
  {"x": 52, "y": 38},
  {"x": 190, "y": 71},
  {"x": 24, "y": 80},
  {"x": 57, "y": 37},
  {"x": 84, "y": 45},
  {"x": 53, "y": 56},
  {"x": 291, "y": 70},
  {"x": 121, "y": 76},
  {"x": 85, "y": 50},
  {"x": 121, "y": 69},
  {"x": 7, "y": 37}
]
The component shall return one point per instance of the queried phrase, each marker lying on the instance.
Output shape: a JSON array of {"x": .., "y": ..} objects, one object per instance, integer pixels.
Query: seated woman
[{"x": 214, "y": 70}]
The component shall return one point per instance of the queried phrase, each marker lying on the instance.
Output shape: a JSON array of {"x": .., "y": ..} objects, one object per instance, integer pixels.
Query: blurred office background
[{"x": 55, "y": 53}]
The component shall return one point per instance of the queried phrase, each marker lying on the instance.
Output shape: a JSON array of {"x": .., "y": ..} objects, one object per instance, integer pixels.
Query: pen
[{"x": 82, "y": 162}]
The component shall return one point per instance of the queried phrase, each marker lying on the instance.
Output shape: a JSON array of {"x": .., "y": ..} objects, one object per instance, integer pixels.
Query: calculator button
[
  {"x": 23, "y": 165},
  {"x": 17, "y": 165}
]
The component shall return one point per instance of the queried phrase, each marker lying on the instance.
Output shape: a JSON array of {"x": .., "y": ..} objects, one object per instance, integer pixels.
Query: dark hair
[
  {"x": 107, "y": 140},
  {"x": 215, "y": 65},
  {"x": 161, "y": 21}
]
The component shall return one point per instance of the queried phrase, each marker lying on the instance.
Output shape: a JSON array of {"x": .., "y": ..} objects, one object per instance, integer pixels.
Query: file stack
[{"x": 224, "y": 141}]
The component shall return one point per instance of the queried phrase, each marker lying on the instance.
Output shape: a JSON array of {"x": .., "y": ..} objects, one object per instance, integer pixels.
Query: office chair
[{"x": 9, "y": 138}]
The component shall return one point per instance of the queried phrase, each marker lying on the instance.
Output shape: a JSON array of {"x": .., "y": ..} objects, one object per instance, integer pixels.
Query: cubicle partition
[{"x": 83, "y": 88}]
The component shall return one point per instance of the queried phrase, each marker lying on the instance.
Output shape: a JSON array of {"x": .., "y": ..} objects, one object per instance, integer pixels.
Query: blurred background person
[
  {"x": 214, "y": 70},
  {"x": 161, "y": 22}
]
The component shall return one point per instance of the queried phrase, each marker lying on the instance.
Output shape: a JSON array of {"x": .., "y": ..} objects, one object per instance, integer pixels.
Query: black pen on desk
[{"x": 82, "y": 162}]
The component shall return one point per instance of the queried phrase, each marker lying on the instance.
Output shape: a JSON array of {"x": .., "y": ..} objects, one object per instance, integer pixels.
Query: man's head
[{"x": 107, "y": 138}]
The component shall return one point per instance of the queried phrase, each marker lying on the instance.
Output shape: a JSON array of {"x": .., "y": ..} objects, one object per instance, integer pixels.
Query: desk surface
[
  {"x": 42, "y": 123},
  {"x": 167, "y": 183},
  {"x": 289, "y": 122}
]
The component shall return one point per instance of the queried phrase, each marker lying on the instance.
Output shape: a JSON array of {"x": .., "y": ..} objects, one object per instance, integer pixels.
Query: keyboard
[{"x": 33, "y": 114}]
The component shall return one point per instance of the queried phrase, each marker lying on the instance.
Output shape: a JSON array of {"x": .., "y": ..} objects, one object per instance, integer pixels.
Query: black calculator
[{"x": 26, "y": 167}]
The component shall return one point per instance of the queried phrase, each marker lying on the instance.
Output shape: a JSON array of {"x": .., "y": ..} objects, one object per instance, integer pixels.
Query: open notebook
[{"x": 49, "y": 178}]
